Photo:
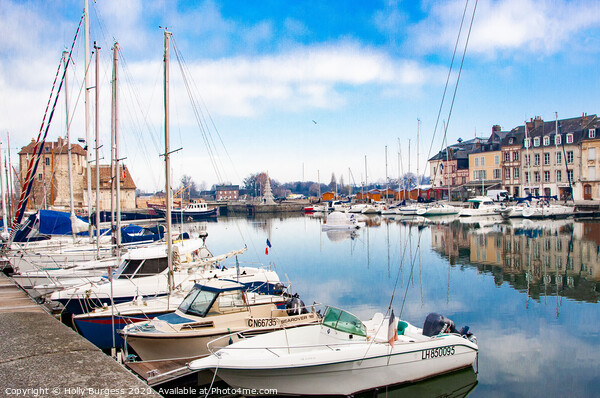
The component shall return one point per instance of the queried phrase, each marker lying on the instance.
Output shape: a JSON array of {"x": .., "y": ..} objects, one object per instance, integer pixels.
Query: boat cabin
[
  {"x": 199, "y": 206},
  {"x": 480, "y": 201},
  {"x": 216, "y": 298}
]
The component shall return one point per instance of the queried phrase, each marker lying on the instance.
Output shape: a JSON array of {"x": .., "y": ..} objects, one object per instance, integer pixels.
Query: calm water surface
[{"x": 528, "y": 290}]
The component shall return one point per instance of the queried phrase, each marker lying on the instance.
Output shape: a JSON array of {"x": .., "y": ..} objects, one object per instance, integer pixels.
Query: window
[
  {"x": 546, "y": 140},
  {"x": 546, "y": 159},
  {"x": 592, "y": 133},
  {"x": 453, "y": 168},
  {"x": 482, "y": 161},
  {"x": 527, "y": 142},
  {"x": 558, "y": 176},
  {"x": 511, "y": 140},
  {"x": 569, "y": 138},
  {"x": 570, "y": 175},
  {"x": 476, "y": 161},
  {"x": 536, "y": 176},
  {"x": 516, "y": 174},
  {"x": 527, "y": 177},
  {"x": 507, "y": 156},
  {"x": 527, "y": 160},
  {"x": 47, "y": 161},
  {"x": 557, "y": 140},
  {"x": 591, "y": 153},
  {"x": 497, "y": 174},
  {"x": 536, "y": 161},
  {"x": 546, "y": 176},
  {"x": 496, "y": 160},
  {"x": 558, "y": 158},
  {"x": 515, "y": 156},
  {"x": 40, "y": 177},
  {"x": 536, "y": 141},
  {"x": 507, "y": 173},
  {"x": 570, "y": 157},
  {"x": 591, "y": 172}
]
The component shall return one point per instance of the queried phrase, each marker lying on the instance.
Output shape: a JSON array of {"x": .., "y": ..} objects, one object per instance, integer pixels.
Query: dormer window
[
  {"x": 536, "y": 141},
  {"x": 546, "y": 140},
  {"x": 569, "y": 138},
  {"x": 511, "y": 140},
  {"x": 557, "y": 140},
  {"x": 527, "y": 142},
  {"x": 592, "y": 133}
]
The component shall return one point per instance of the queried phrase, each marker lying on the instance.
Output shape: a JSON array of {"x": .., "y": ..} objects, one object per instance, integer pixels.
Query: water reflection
[{"x": 541, "y": 258}]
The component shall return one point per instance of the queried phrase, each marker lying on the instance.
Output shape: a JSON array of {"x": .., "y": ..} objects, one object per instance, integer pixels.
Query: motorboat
[
  {"x": 341, "y": 355},
  {"x": 191, "y": 212},
  {"x": 514, "y": 211},
  {"x": 210, "y": 310},
  {"x": 145, "y": 273},
  {"x": 544, "y": 209},
  {"x": 315, "y": 209},
  {"x": 437, "y": 209},
  {"x": 341, "y": 221},
  {"x": 480, "y": 206},
  {"x": 100, "y": 325}
]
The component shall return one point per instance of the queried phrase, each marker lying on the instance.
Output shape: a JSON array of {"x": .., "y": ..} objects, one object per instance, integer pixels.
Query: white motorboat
[
  {"x": 210, "y": 310},
  {"x": 191, "y": 212},
  {"x": 342, "y": 355},
  {"x": 544, "y": 209},
  {"x": 514, "y": 211},
  {"x": 409, "y": 210},
  {"x": 480, "y": 206},
  {"x": 437, "y": 209},
  {"x": 339, "y": 220},
  {"x": 145, "y": 274}
]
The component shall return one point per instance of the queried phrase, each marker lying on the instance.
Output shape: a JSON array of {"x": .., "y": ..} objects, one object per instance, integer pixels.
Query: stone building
[
  {"x": 51, "y": 181},
  {"x": 590, "y": 161}
]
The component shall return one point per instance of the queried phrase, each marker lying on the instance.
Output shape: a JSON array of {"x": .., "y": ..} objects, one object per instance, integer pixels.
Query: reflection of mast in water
[
  {"x": 387, "y": 232},
  {"x": 528, "y": 273}
]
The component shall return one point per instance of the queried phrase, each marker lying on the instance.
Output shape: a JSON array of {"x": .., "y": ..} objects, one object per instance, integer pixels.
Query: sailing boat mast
[
  {"x": 386, "y": 176},
  {"x": 167, "y": 161},
  {"x": 4, "y": 215},
  {"x": 97, "y": 92},
  {"x": 115, "y": 145},
  {"x": 69, "y": 159},
  {"x": 418, "y": 177},
  {"x": 88, "y": 159}
]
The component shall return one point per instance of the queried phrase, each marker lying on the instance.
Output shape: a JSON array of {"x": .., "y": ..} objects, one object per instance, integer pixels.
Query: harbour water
[{"x": 528, "y": 290}]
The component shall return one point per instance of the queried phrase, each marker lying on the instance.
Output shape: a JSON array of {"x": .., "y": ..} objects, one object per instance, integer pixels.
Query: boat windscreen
[
  {"x": 198, "y": 304},
  {"x": 344, "y": 322}
]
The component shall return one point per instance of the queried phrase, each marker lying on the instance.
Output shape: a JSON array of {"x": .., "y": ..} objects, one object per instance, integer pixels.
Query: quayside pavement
[{"x": 41, "y": 357}]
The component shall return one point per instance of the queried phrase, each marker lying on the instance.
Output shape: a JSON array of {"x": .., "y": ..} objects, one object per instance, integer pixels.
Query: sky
[{"x": 299, "y": 89}]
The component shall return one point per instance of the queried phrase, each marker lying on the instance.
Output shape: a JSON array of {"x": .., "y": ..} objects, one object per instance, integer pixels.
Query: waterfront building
[
  {"x": 590, "y": 161},
  {"x": 511, "y": 146},
  {"x": 51, "y": 182},
  {"x": 227, "y": 192},
  {"x": 485, "y": 169}
]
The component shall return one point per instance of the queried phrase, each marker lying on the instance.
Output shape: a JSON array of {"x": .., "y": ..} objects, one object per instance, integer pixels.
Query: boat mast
[
  {"x": 116, "y": 174},
  {"x": 97, "y": 92},
  {"x": 167, "y": 160},
  {"x": 386, "y": 176},
  {"x": 88, "y": 159},
  {"x": 418, "y": 177},
  {"x": 4, "y": 223},
  {"x": 447, "y": 160},
  {"x": 69, "y": 158},
  {"x": 366, "y": 180}
]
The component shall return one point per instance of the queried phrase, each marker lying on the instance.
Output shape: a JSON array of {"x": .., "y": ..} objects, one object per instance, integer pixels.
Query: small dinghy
[{"x": 342, "y": 355}]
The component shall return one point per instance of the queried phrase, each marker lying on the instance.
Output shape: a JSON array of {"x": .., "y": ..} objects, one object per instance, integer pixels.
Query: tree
[{"x": 186, "y": 181}]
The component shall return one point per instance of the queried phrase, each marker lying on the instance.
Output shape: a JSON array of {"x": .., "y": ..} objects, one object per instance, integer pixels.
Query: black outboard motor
[
  {"x": 436, "y": 324},
  {"x": 295, "y": 306}
]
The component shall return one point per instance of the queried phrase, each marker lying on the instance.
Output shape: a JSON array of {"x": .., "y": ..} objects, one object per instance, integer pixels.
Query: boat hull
[{"x": 351, "y": 376}]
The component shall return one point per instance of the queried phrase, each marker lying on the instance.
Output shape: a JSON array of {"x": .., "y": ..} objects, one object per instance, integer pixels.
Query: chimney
[{"x": 496, "y": 128}]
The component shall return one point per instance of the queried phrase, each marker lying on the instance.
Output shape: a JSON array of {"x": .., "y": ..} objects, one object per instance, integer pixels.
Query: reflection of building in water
[
  {"x": 453, "y": 242},
  {"x": 540, "y": 257}
]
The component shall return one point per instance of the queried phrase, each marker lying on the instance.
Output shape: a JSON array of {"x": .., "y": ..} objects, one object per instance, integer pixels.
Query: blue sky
[{"x": 265, "y": 71}]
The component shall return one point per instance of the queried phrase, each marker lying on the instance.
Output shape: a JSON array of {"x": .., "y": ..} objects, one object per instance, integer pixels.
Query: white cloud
[{"x": 508, "y": 25}]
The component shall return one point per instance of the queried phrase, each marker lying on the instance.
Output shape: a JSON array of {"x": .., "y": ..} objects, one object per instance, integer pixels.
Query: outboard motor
[
  {"x": 436, "y": 324},
  {"x": 295, "y": 306}
]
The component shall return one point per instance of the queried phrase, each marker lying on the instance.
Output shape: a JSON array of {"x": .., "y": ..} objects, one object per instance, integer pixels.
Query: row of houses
[{"x": 553, "y": 158}]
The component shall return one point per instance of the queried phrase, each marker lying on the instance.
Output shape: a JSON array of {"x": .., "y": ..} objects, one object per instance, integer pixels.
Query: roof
[
  {"x": 57, "y": 148},
  {"x": 127, "y": 180},
  {"x": 219, "y": 285},
  {"x": 227, "y": 187},
  {"x": 576, "y": 126}
]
